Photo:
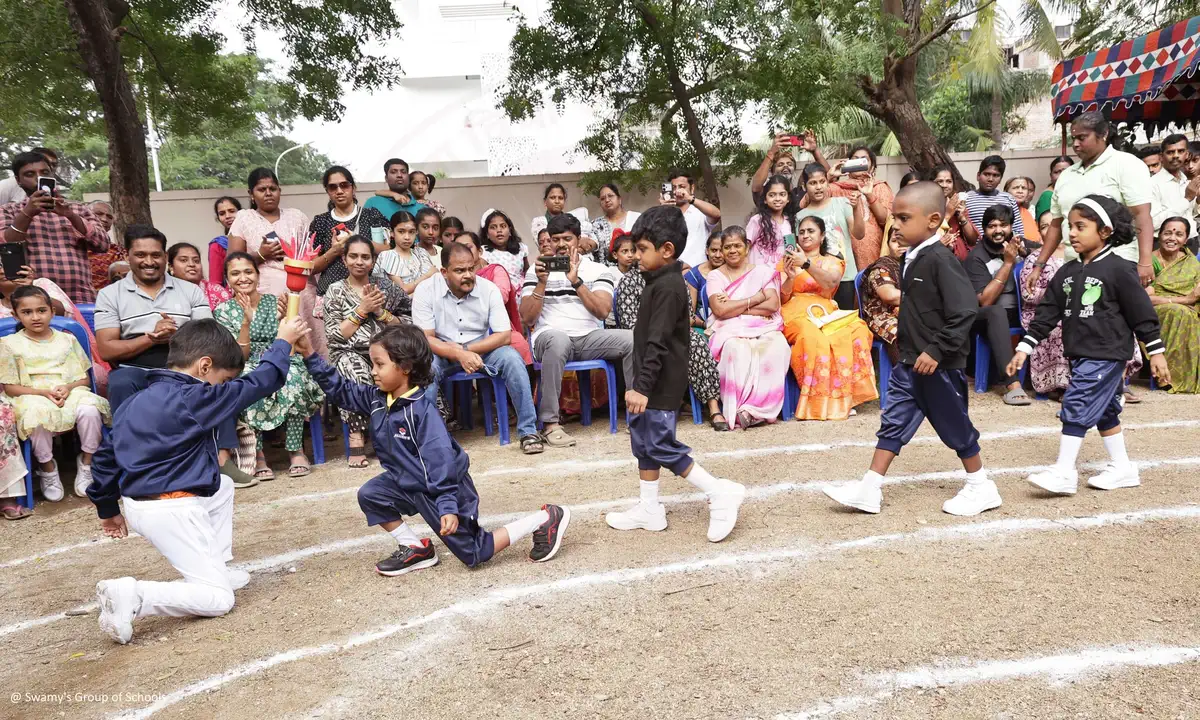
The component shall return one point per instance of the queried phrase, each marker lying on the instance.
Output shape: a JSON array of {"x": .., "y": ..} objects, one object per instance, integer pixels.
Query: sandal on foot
[
  {"x": 721, "y": 425},
  {"x": 357, "y": 461},
  {"x": 1016, "y": 397},
  {"x": 1132, "y": 399},
  {"x": 299, "y": 469},
  {"x": 558, "y": 438},
  {"x": 15, "y": 512},
  {"x": 532, "y": 445},
  {"x": 264, "y": 474}
]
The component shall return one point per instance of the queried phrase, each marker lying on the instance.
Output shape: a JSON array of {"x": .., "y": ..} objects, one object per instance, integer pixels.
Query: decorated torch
[{"x": 298, "y": 264}]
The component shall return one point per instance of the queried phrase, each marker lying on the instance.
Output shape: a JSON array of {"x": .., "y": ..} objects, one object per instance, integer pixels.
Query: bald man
[{"x": 937, "y": 308}]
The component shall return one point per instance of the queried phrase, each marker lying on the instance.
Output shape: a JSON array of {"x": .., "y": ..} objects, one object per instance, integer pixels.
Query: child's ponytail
[{"x": 1115, "y": 215}]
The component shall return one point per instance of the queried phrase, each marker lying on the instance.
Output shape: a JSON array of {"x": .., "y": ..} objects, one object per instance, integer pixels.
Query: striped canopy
[{"x": 1148, "y": 80}]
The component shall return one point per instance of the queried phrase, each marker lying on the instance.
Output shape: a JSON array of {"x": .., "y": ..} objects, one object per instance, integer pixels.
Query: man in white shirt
[
  {"x": 567, "y": 311},
  {"x": 1171, "y": 194},
  {"x": 701, "y": 217},
  {"x": 468, "y": 329}
]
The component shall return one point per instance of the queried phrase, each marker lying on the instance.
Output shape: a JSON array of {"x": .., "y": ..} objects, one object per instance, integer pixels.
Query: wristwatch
[
  {"x": 575, "y": 285},
  {"x": 806, "y": 264}
]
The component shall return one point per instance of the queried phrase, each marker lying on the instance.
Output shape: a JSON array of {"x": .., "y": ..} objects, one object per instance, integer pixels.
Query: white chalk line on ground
[
  {"x": 625, "y": 462},
  {"x": 497, "y": 599},
  {"x": 1056, "y": 669},
  {"x": 753, "y": 493}
]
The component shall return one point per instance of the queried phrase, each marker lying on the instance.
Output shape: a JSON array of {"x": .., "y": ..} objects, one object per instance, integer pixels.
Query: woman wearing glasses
[{"x": 344, "y": 211}]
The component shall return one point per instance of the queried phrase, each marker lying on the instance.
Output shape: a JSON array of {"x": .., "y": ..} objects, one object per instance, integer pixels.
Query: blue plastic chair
[
  {"x": 88, "y": 311},
  {"x": 488, "y": 386},
  {"x": 983, "y": 351},
  {"x": 583, "y": 369},
  {"x": 697, "y": 409}
]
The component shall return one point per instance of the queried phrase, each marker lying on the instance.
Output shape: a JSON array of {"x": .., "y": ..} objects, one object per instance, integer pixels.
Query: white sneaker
[
  {"x": 859, "y": 496},
  {"x": 1114, "y": 477},
  {"x": 237, "y": 578},
  {"x": 723, "y": 510},
  {"x": 83, "y": 477},
  {"x": 639, "y": 517},
  {"x": 1056, "y": 480},
  {"x": 52, "y": 488},
  {"x": 119, "y": 604},
  {"x": 973, "y": 499}
]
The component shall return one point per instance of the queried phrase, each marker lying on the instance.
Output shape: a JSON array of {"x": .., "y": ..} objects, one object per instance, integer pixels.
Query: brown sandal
[
  {"x": 358, "y": 460},
  {"x": 15, "y": 512}
]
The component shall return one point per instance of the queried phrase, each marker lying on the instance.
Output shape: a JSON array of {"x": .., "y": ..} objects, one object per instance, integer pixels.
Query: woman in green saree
[{"x": 1176, "y": 294}]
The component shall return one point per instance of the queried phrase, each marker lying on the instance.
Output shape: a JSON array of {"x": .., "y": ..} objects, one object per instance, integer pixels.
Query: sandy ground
[{"x": 1082, "y": 607}]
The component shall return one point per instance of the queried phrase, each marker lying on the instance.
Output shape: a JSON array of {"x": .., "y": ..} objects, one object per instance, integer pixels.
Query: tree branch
[
  {"x": 162, "y": 71},
  {"x": 942, "y": 28}
]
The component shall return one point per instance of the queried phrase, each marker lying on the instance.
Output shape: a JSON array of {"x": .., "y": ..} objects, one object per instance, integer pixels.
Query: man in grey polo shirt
[
  {"x": 468, "y": 329},
  {"x": 135, "y": 319}
]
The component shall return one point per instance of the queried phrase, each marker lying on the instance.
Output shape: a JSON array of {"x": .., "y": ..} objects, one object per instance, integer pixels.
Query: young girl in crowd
[
  {"x": 406, "y": 265},
  {"x": 226, "y": 209},
  {"x": 429, "y": 234},
  {"x": 451, "y": 227},
  {"x": 183, "y": 262},
  {"x": 623, "y": 253},
  {"x": 1101, "y": 305},
  {"x": 425, "y": 472},
  {"x": 770, "y": 230},
  {"x": 253, "y": 319},
  {"x": 502, "y": 246},
  {"x": 45, "y": 372},
  {"x": 844, "y": 223},
  {"x": 421, "y": 184}
]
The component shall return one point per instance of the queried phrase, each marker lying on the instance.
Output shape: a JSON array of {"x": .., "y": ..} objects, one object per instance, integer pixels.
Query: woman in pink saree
[{"x": 747, "y": 335}]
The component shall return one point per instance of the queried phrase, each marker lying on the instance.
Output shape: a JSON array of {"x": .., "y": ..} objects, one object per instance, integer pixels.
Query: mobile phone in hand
[
  {"x": 556, "y": 263},
  {"x": 47, "y": 183}
]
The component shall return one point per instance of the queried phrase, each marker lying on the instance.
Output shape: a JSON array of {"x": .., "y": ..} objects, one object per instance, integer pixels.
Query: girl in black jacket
[{"x": 1102, "y": 306}]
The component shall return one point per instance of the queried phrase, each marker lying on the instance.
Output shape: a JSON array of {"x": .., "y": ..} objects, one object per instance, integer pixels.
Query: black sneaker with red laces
[
  {"x": 408, "y": 558},
  {"x": 547, "y": 539}
]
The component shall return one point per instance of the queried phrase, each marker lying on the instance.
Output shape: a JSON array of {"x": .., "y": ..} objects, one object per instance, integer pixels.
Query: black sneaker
[
  {"x": 407, "y": 559},
  {"x": 548, "y": 538}
]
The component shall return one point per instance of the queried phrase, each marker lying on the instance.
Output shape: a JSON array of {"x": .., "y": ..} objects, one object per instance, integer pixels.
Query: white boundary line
[
  {"x": 584, "y": 466},
  {"x": 1056, "y": 669},
  {"x": 498, "y": 599},
  {"x": 760, "y": 492}
]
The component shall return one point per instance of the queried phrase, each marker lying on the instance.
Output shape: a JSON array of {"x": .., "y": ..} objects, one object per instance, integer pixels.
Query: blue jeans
[{"x": 508, "y": 365}]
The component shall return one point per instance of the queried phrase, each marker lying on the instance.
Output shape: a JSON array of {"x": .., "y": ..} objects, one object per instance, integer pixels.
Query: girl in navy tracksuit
[
  {"x": 425, "y": 472},
  {"x": 1102, "y": 306}
]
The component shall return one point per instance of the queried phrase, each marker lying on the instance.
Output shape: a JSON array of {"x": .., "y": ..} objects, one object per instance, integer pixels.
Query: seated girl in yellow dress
[{"x": 45, "y": 372}]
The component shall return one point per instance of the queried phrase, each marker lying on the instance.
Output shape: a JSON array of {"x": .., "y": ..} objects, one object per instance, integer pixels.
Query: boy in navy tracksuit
[
  {"x": 1102, "y": 306},
  {"x": 661, "y": 339},
  {"x": 937, "y": 308},
  {"x": 162, "y": 459},
  {"x": 425, "y": 472}
]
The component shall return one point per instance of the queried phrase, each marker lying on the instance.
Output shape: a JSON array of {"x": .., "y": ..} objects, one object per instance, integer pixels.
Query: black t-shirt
[{"x": 982, "y": 266}]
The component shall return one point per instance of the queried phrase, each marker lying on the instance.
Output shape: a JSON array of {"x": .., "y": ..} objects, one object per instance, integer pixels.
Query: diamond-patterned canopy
[{"x": 1149, "y": 80}]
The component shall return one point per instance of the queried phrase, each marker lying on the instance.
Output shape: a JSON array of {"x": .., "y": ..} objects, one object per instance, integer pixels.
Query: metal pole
[
  {"x": 285, "y": 152},
  {"x": 153, "y": 142}
]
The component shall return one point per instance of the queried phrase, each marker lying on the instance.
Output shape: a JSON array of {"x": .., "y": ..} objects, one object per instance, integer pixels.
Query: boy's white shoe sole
[
  {"x": 973, "y": 499},
  {"x": 118, "y": 606},
  {"x": 858, "y": 496},
  {"x": 1056, "y": 481},
  {"x": 238, "y": 579},
  {"x": 639, "y": 517},
  {"x": 723, "y": 510},
  {"x": 1115, "y": 477}
]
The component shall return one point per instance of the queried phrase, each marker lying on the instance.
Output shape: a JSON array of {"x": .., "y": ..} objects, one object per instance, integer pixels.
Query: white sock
[
  {"x": 978, "y": 477},
  {"x": 873, "y": 480},
  {"x": 1115, "y": 445},
  {"x": 405, "y": 535},
  {"x": 518, "y": 529},
  {"x": 1068, "y": 452},
  {"x": 650, "y": 492},
  {"x": 700, "y": 477}
]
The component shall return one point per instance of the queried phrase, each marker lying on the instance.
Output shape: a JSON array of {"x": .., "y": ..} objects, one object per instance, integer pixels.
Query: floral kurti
[
  {"x": 44, "y": 366},
  {"x": 300, "y": 397}
]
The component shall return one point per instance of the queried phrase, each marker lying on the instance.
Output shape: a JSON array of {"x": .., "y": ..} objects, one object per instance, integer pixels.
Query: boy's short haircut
[
  {"x": 993, "y": 161},
  {"x": 142, "y": 232},
  {"x": 408, "y": 347},
  {"x": 927, "y": 195},
  {"x": 662, "y": 224},
  {"x": 427, "y": 211},
  {"x": 205, "y": 338},
  {"x": 564, "y": 222}
]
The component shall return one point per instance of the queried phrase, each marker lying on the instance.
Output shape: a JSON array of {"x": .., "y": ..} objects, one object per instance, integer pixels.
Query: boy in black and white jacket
[{"x": 1102, "y": 306}]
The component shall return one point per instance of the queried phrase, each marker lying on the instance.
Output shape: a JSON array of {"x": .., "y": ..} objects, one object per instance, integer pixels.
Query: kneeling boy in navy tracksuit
[
  {"x": 425, "y": 472},
  {"x": 1101, "y": 304},
  {"x": 661, "y": 339},
  {"x": 162, "y": 460},
  {"x": 937, "y": 310}
]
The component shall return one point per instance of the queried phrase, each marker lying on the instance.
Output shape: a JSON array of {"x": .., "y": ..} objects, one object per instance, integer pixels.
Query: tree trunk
[
  {"x": 708, "y": 179},
  {"x": 998, "y": 119},
  {"x": 96, "y": 27}
]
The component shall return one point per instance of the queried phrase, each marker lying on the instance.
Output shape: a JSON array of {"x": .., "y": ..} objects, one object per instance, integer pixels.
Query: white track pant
[{"x": 195, "y": 535}]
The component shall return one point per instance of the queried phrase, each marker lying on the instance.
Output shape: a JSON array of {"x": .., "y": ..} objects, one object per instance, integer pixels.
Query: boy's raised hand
[
  {"x": 449, "y": 525},
  {"x": 1159, "y": 369},
  {"x": 292, "y": 330},
  {"x": 1014, "y": 365}
]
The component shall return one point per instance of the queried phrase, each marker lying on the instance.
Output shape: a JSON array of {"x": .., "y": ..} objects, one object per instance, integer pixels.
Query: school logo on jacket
[
  {"x": 1066, "y": 287},
  {"x": 1093, "y": 288},
  {"x": 402, "y": 433}
]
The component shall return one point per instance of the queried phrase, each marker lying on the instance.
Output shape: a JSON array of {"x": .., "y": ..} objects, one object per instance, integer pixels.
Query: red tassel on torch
[{"x": 298, "y": 264}]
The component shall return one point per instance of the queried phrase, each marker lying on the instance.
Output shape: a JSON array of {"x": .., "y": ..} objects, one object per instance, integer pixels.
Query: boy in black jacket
[
  {"x": 660, "y": 359},
  {"x": 937, "y": 308},
  {"x": 1101, "y": 304}
]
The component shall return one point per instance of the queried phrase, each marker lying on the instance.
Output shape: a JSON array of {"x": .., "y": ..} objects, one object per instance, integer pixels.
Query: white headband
[
  {"x": 483, "y": 219},
  {"x": 1104, "y": 219}
]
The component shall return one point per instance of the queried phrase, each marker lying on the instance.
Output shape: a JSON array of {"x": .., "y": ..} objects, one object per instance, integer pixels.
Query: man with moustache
[
  {"x": 397, "y": 197},
  {"x": 992, "y": 268}
]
